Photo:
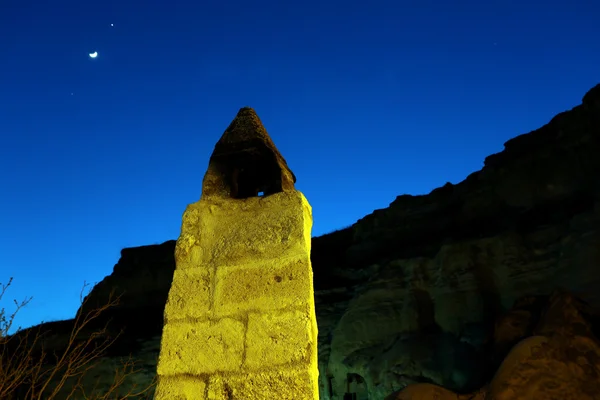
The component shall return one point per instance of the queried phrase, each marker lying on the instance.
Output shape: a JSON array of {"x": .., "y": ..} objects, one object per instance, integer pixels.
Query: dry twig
[{"x": 27, "y": 372}]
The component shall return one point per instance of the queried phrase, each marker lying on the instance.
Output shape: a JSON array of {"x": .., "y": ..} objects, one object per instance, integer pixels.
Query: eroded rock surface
[
  {"x": 559, "y": 360},
  {"x": 446, "y": 265}
]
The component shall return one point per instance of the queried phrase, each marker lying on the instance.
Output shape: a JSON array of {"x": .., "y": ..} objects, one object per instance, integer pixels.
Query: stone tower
[{"x": 240, "y": 317}]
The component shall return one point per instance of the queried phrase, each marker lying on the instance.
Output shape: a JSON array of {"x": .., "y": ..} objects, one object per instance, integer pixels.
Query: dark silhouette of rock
[{"x": 142, "y": 278}]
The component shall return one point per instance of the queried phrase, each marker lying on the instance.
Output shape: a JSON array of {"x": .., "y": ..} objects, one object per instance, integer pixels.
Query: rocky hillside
[
  {"x": 414, "y": 292},
  {"x": 553, "y": 354}
]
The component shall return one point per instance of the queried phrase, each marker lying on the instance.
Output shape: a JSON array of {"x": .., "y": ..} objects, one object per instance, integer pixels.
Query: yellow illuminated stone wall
[{"x": 240, "y": 318}]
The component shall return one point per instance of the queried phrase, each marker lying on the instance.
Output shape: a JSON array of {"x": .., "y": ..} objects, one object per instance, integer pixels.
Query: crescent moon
[{"x": 94, "y": 54}]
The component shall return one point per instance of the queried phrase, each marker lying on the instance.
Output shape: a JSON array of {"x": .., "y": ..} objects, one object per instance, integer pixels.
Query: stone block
[
  {"x": 242, "y": 231},
  {"x": 190, "y": 220},
  {"x": 180, "y": 387},
  {"x": 282, "y": 338},
  {"x": 264, "y": 285},
  {"x": 283, "y": 384},
  {"x": 189, "y": 296},
  {"x": 201, "y": 347},
  {"x": 187, "y": 251}
]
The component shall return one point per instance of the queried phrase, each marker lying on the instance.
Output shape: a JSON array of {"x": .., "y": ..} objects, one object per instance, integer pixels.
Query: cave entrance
[
  {"x": 356, "y": 388},
  {"x": 245, "y": 163},
  {"x": 248, "y": 175}
]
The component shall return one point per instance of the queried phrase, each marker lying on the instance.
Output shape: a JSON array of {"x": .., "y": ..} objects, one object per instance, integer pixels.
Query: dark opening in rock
[
  {"x": 356, "y": 387},
  {"x": 246, "y": 163}
]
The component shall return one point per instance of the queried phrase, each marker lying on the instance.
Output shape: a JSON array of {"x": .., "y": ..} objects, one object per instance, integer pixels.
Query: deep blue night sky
[{"x": 365, "y": 100}]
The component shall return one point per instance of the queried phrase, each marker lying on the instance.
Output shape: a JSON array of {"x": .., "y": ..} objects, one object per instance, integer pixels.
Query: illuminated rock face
[
  {"x": 560, "y": 359},
  {"x": 240, "y": 317}
]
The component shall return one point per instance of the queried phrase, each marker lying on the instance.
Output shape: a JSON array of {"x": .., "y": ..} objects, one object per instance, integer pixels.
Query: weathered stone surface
[
  {"x": 258, "y": 228},
  {"x": 446, "y": 265},
  {"x": 245, "y": 162},
  {"x": 201, "y": 347},
  {"x": 182, "y": 388},
  {"x": 560, "y": 360},
  {"x": 246, "y": 288},
  {"x": 191, "y": 280},
  {"x": 288, "y": 384},
  {"x": 248, "y": 242},
  {"x": 447, "y": 299},
  {"x": 428, "y": 391},
  {"x": 279, "y": 339}
]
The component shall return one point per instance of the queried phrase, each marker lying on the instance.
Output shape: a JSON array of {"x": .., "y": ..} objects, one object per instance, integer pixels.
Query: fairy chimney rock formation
[
  {"x": 245, "y": 162},
  {"x": 240, "y": 317}
]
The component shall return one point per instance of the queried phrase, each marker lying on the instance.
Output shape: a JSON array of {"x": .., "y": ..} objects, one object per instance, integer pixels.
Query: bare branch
[{"x": 27, "y": 374}]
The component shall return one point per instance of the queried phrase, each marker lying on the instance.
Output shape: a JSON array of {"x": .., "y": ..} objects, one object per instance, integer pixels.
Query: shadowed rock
[
  {"x": 560, "y": 359},
  {"x": 245, "y": 162}
]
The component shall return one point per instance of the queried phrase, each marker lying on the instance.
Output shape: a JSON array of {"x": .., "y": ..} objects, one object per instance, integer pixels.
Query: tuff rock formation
[
  {"x": 423, "y": 290},
  {"x": 558, "y": 359},
  {"x": 444, "y": 266},
  {"x": 246, "y": 162},
  {"x": 240, "y": 316}
]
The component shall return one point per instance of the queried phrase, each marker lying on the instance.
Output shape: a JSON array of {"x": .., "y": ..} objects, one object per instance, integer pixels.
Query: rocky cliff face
[
  {"x": 415, "y": 292},
  {"x": 443, "y": 267},
  {"x": 551, "y": 352}
]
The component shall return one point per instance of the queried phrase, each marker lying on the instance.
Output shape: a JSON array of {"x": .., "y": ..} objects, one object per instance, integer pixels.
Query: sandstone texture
[
  {"x": 558, "y": 359},
  {"x": 450, "y": 295},
  {"x": 240, "y": 316},
  {"x": 445, "y": 266}
]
